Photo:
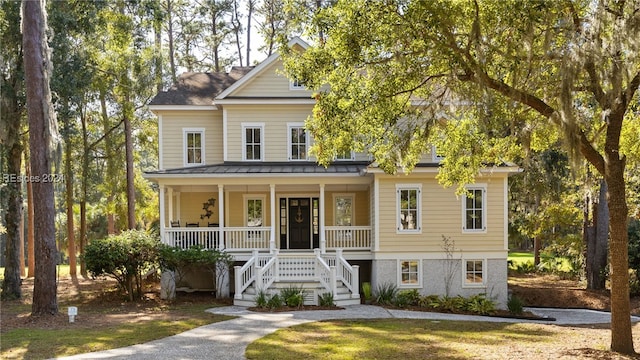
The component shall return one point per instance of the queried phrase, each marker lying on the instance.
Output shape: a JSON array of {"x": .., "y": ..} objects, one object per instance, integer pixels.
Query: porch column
[
  {"x": 323, "y": 241},
  {"x": 178, "y": 215},
  {"x": 162, "y": 224},
  {"x": 170, "y": 198},
  {"x": 221, "y": 215},
  {"x": 272, "y": 201}
]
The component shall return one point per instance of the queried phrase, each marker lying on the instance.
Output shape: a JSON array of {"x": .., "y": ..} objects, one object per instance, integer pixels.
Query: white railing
[
  {"x": 348, "y": 237},
  {"x": 186, "y": 237},
  {"x": 263, "y": 270},
  {"x": 232, "y": 239}
]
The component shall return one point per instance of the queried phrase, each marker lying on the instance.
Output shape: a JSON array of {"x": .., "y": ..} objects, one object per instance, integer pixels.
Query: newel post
[
  {"x": 334, "y": 281},
  {"x": 238, "y": 282},
  {"x": 356, "y": 282}
]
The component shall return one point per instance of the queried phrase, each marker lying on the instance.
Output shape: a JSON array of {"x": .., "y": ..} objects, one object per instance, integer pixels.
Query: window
[
  {"x": 435, "y": 155},
  {"x": 297, "y": 143},
  {"x": 252, "y": 141},
  {"x": 474, "y": 216},
  {"x": 193, "y": 140},
  {"x": 474, "y": 272},
  {"x": 254, "y": 211},
  {"x": 345, "y": 155},
  {"x": 343, "y": 210},
  {"x": 409, "y": 273},
  {"x": 296, "y": 84},
  {"x": 408, "y": 198}
]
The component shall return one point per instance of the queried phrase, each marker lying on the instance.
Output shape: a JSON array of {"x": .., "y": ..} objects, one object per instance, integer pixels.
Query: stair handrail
[
  {"x": 326, "y": 274},
  {"x": 266, "y": 275},
  {"x": 348, "y": 274},
  {"x": 245, "y": 274}
]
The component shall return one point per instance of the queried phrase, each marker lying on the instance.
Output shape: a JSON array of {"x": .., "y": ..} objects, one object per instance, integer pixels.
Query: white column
[
  {"x": 272, "y": 201},
  {"x": 162, "y": 224},
  {"x": 221, "y": 215},
  {"x": 178, "y": 206},
  {"x": 170, "y": 199},
  {"x": 323, "y": 240}
]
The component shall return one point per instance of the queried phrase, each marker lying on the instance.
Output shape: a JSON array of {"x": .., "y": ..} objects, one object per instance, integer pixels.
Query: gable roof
[
  {"x": 199, "y": 88},
  {"x": 260, "y": 68}
]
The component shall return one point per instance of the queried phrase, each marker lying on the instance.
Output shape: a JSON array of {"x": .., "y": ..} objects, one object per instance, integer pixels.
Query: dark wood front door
[{"x": 299, "y": 223}]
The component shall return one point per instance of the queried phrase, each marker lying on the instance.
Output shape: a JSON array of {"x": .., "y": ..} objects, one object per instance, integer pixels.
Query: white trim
[
  {"x": 185, "y": 132},
  {"x": 225, "y": 143},
  {"x": 297, "y": 125},
  {"x": 247, "y": 197},
  {"x": 505, "y": 212},
  {"x": 438, "y": 255},
  {"x": 507, "y": 169},
  {"x": 160, "y": 144},
  {"x": 294, "y": 87},
  {"x": 376, "y": 215},
  {"x": 352, "y": 157},
  {"x": 246, "y": 126},
  {"x": 418, "y": 220},
  {"x": 418, "y": 283},
  {"x": 155, "y": 108},
  {"x": 478, "y": 186},
  {"x": 467, "y": 285},
  {"x": 434, "y": 155},
  {"x": 352, "y": 196},
  {"x": 307, "y": 100}
]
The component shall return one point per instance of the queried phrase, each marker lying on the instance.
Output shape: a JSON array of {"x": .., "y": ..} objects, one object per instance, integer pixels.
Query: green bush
[
  {"x": 429, "y": 301},
  {"x": 275, "y": 302},
  {"x": 261, "y": 299},
  {"x": 406, "y": 298},
  {"x": 366, "y": 291},
  {"x": 124, "y": 257},
  {"x": 292, "y": 296},
  {"x": 526, "y": 267},
  {"x": 326, "y": 300},
  {"x": 386, "y": 293},
  {"x": 515, "y": 305},
  {"x": 479, "y": 304}
]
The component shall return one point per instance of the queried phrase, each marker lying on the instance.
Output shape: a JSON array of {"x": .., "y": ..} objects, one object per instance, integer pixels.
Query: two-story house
[{"x": 235, "y": 174}]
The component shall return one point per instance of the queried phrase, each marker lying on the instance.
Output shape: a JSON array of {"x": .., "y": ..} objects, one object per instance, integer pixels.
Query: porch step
[{"x": 312, "y": 292}]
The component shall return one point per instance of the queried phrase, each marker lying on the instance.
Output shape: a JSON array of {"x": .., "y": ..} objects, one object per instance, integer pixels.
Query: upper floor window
[
  {"x": 436, "y": 156},
  {"x": 252, "y": 141},
  {"x": 193, "y": 145},
  {"x": 408, "y": 205},
  {"x": 343, "y": 210},
  {"x": 345, "y": 155},
  {"x": 296, "y": 84},
  {"x": 297, "y": 142},
  {"x": 474, "y": 212}
]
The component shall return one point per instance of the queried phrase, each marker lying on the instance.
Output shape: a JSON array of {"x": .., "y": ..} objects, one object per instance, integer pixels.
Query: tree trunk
[
  {"x": 71, "y": 239},
  {"x": 41, "y": 135},
  {"x": 11, "y": 288},
  {"x": 172, "y": 60},
  {"x": 131, "y": 190},
  {"x": 111, "y": 229},
  {"x": 83, "y": 191},
  {"x": 600, "y": 241},
  {"x": 31, "y": 257}
]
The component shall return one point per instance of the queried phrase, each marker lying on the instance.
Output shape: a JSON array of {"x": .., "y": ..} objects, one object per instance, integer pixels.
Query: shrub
[
  {"x": 386, "y": 293},
  {"x": 406, "y": 298},
  {"x": 275, "y": 302},
  {"x": 429, "y": 301},
  {"x": 366, "y": 291},
  {"x": 124, "y": 257},
  {"x": 526, "y": 267},
  {"x": 479, "y": 304},
  {"x": 515, "y": 305},
  {"x": 326, "y": 300},
  {"x": 261, "y": 299},
  {"x": 292, "y": 296},
  {"x": 451, "y": 304}
]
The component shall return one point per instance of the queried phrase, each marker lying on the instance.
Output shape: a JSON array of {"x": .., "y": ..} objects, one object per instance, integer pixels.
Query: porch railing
[{"x": 348, "y": 237}]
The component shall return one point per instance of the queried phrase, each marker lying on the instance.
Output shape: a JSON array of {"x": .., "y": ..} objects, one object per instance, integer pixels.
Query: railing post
[
  {"x": 334, "y": 281},
  {"x": 258, "y": 283},
  {"x": 276, "y": 268},
  {"x": 356, "y": 282},
  {"x": 238, "y": 282}
]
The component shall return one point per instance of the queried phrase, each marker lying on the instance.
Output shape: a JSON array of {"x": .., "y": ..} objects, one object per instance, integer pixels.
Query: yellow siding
[
  {"x": 361, "y": 207},
  {"x": 270, "y": 83},
  {"x": 236, "y": 208},
  {"x": 172, "y": 137},
  {"x": 191, "y": 208},
  {"x": 441, "y": 215}
]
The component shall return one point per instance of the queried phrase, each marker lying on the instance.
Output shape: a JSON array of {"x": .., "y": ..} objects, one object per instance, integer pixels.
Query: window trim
[
  {"x": 466, "y": 284},
  {"x": 418, "y": 284},
  {"x": 483, "y": 230},
  {"x": 307, "y": 139},
  {"x": 434, "y": 155},
  {"x": 335, "y": 210},
  {"x": 296, "y": 85},
  {"x": 185, "y": 156},
  {"x": 350, "y": 158},
  {"x": 418, "y": 229},
  {"x": 245, "y": 204},
  {"x": 246, "y": 126}
]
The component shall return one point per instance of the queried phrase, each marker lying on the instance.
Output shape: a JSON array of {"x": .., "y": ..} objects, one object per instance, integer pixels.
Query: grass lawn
[
  {"x": 409, "y": 339},
  {"x": 520, "y": 257}
]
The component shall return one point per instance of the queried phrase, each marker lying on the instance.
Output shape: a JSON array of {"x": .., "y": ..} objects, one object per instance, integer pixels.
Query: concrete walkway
[{"x": 229, "y": 339}]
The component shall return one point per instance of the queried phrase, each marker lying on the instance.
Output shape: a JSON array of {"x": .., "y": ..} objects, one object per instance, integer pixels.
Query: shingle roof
[
  {"x": 295, "y": 168},
  {"x": 199, "y": 88}
]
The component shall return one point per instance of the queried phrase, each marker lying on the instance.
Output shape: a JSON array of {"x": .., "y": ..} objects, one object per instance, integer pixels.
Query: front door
[{"x": 299, "y": 223}]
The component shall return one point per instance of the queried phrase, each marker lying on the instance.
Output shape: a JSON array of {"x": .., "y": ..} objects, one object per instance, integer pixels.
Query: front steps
[{"x": 312, "y": 291}]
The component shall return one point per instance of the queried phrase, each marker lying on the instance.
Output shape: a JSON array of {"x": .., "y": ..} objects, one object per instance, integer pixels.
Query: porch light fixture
[{"x": 211, "y": 203}]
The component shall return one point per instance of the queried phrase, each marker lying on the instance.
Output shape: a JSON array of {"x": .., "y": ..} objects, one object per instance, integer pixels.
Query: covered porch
[{"x": 284, "y": 213}]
